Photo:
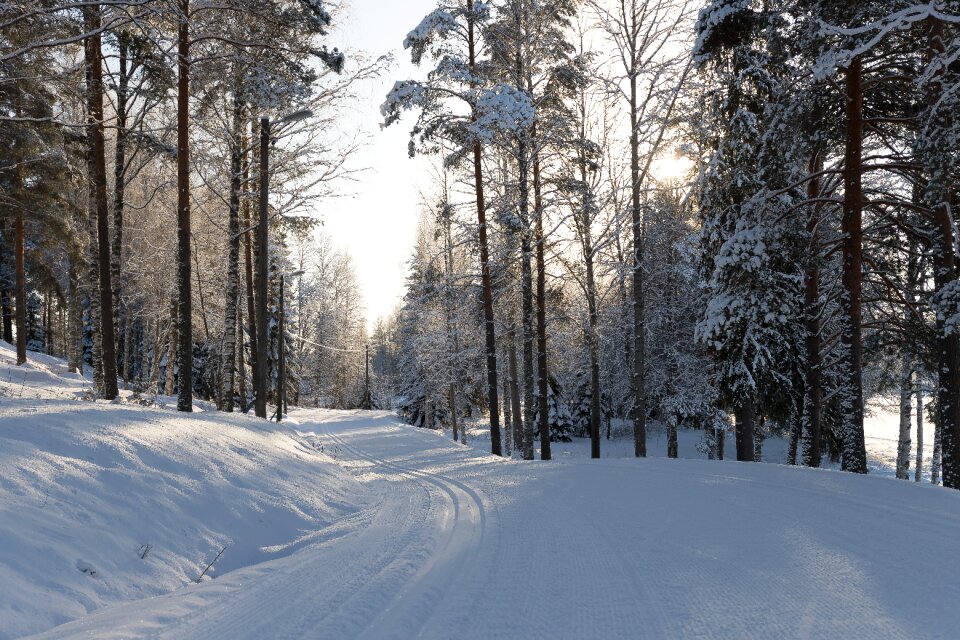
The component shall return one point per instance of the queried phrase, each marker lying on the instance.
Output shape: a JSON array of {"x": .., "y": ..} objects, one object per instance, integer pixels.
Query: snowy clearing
[{"x": 351, "y": 524}]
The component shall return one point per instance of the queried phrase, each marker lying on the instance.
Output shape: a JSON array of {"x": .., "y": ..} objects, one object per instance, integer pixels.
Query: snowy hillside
[
  {"x": 108, "y": 502},
  {"x": 350, "y": 524}
]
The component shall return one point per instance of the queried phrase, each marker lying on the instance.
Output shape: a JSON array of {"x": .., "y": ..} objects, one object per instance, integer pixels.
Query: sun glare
[{"x": 670, "y": 167}]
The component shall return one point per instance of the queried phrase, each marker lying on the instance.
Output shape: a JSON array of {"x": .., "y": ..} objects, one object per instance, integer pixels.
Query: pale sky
[{"x": 377, "y": 225}]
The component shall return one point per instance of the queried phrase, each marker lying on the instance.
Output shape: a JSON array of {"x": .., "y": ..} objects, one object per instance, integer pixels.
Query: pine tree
[{"x": 451, "y": 34}]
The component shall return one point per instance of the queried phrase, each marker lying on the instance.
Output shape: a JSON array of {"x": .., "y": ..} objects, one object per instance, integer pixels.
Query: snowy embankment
[
  {"x": 105, "y": 502},
  {"x": 350, "y": 524}
]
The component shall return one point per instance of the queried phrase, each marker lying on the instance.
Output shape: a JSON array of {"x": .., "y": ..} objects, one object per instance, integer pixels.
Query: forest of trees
[
  {"x": 712, "y": 215},
  {"x": 723, "y": 215},
  {"x": 159, "y": 176}
]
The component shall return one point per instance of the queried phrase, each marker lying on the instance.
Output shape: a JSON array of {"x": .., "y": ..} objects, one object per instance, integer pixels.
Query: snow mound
[{"x": 105, "y": 502}]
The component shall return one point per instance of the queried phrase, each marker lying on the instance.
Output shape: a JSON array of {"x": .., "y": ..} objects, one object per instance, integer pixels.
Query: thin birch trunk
[
  {"x": 241, "y": 362},
  {"x": 127, "y": 350},
  {"x": 154, "y": 382},
  {"x": 74, "y": 322},
  {"x": 918, "y": 472},
  {"x": 906, "y": 413},
  {"x": 119, "y": 184},
  {"x": 519, "y": 436},
  {"x": 507, "y": 418},
  {"x": 172, "y": 349},
  {"x": 935, "y": 463},
  {"x": 228, "y": 352}
]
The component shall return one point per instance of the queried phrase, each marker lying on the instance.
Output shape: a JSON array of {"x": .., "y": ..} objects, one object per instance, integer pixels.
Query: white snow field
[{"x": 351, "y": 524}]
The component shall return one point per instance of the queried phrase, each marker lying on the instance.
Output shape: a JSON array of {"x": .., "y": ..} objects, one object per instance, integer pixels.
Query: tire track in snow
[
  {"x": 428, "y": 605},
  {"x": 348, "y": 577}
]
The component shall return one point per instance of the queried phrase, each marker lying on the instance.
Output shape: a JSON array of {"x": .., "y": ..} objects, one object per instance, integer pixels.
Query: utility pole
[
  {"x": 263, "y": 259},
  {"x": 260, "y": 407},
  {"x": 367, "y": 403}
]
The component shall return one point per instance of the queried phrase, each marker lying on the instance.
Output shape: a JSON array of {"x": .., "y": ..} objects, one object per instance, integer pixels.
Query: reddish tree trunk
[
  {"x": 263, "y": 261},
  {"x": 945, "y": 272},
  {"x": 854, "y": 454},
  {"x": 94, "y": 61},
  {"x": 185, "y": 301},
  {"x": 491, "y": 342}
]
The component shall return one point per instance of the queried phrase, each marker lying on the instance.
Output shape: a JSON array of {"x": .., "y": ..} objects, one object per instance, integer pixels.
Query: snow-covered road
[{"x": 454, "y": 544}]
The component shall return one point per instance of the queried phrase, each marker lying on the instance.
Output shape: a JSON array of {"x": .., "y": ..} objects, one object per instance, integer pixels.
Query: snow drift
[{"x": 104, "y": 502}]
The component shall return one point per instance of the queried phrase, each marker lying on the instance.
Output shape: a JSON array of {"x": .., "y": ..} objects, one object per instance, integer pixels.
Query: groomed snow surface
[{"x": 351, "y": 524}]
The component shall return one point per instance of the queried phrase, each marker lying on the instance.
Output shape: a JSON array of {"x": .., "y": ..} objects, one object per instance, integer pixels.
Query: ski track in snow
[{"x": 453, "y": 543}]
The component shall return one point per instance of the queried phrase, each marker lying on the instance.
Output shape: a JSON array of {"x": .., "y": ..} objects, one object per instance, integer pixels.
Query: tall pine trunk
[
  {"x": 184, "y": 293},
  {"x": 813, "y": 388},
  {"x": 98, "y": 163},
  {"x": 854, "y": 453},
  {"x": 542, "y": 373},
  {"x": 639, "y": 323},
  {"x": 944, "y": 273},
  {"x": 586, "y": 244},
  {"x": 487, "y": 286},
  {"x": 527, "y": 305},
  {"x": 262, "y": 260}
]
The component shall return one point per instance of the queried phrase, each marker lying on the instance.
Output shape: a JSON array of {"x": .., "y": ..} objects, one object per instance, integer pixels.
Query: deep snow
[{"x": 350, "y": 524}]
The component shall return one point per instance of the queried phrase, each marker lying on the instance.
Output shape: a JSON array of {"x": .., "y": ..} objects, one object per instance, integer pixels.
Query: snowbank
[{"x": 104, "y": 502}]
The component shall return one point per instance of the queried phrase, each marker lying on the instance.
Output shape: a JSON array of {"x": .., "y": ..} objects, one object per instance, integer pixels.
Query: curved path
[{"x": 453, "y": 543}]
